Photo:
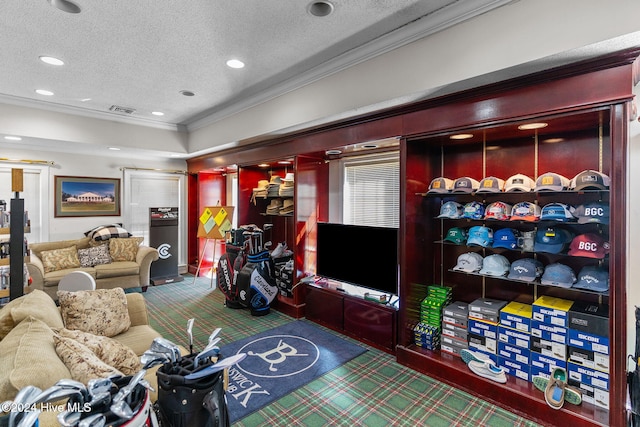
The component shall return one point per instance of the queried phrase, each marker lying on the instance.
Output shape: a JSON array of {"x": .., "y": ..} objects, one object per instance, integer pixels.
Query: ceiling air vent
[{"x": 122, "y": 110}]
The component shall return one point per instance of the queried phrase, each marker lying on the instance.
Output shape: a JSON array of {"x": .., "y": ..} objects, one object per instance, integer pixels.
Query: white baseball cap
[{"x": 519, "y": 182}]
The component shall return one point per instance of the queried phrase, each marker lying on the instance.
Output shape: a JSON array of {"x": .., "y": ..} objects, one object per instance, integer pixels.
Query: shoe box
[
  {"x": 453, "y": 345},
  {"x": 590, "y": 377},
  {"x": 588, "y": 359},
  {"x": 551, "y": 311},
  {"x": 486, "y": 309},
  {"x": 542, "y": 365},
  {"x": 594, "y": 395},
  {"x": 484, "y": 329},
  {"x": 456, "y": 314},
  {"x": 427, "y": 336},
  {"x": 589, "y": 335},
  {"x": 454, "y": 331},
  {"x": 590, "y": 318},
  {"x": 548, "y": 332},
  {"x": 516, "y": 316},
  {"x": 548, "y": 348},
  {"x": 483, "y": 344},
  {"x": 515, "y": 369},
  {"x": 514, "y": 353},
  {"x": 513, "y": 337}
]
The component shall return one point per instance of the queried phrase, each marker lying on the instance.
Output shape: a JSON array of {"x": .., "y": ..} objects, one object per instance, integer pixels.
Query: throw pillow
[
  {"x": 94, "y": 256},
  {"x": 124, "y": 249},
  {"x": 37, "y": 304},
  {"x": 81, "y": 362},
  {"x": 99, "y": 312},
  {"x": 106, "y": 232},
  {"x": 110, "y": 351},
  {"x": 28, "y": 357},
  {"x": 60, "y": 259}
]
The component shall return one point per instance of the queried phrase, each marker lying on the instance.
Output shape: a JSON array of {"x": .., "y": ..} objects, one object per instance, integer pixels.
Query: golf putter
[
  {"x": 212, "y": 369},
  {"x": 190, "y": 334}
]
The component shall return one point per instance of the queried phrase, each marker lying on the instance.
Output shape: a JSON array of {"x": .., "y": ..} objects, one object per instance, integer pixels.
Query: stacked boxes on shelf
[
  {"x": 455, "y": 318},
  {"x": 427, "y": 332},
  {"x": 514, "y": 338},
  {"x": 549, "y": 334},
  {"x": 484, "y": 315},
  {"x": 588, "y": 351}
]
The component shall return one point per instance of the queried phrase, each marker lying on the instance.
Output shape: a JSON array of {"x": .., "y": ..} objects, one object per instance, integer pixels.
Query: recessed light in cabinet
[
  {"x": 461, "y": 136},
  {"x": 531, "y": 126}
]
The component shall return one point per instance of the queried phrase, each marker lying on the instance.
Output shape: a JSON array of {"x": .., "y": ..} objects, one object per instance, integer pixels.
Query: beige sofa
[
  {"x": 121, "y": 274},
  {"x": 28, "y": 353}
]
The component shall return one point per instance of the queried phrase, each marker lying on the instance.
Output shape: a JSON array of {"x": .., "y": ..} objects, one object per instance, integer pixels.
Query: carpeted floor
[{"x": 370, "y": 390}]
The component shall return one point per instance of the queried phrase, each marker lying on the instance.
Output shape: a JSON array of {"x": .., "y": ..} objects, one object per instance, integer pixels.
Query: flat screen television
[{"x": 359, "y": 255}]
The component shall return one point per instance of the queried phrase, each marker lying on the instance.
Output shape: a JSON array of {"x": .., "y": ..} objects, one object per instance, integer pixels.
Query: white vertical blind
[
  {"x": 35, "y": 195},
  {"x": 371, "y": 192}
]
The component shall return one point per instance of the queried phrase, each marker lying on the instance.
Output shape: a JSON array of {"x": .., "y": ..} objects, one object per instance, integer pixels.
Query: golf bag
[
  {"x": 228, "y": 266},
  {"x": 257, "y": 283},
  {"x": 186, "y": 403},
  {"x": 633, "y": 378}
]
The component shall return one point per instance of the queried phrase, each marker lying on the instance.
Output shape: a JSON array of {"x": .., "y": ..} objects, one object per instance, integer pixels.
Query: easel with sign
[{"x": 213, "y": 224}]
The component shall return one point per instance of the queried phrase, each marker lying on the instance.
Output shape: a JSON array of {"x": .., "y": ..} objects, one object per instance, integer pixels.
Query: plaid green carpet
[{"x": 371, "y": 390}]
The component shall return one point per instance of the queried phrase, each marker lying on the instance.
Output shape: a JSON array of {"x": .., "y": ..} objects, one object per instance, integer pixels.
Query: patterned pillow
[
  {"x": 94, "y": 256},
  {"x": 110, "y": 351},
  {"x": 124, "y": 249},
  {"x": 106, "y": 232},
  {"x": 60, "y": 259},
  {"x": 99, "y": 312},
  {"x": 80, "y": 360}
]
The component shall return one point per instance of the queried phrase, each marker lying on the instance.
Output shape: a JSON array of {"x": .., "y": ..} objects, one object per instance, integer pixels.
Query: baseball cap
[
  {"x": 498, "y": 210},
  {"x": 469, "y": 262},
  {"x": 495, "y": 265},
  {"x": 552, "y": 240},
  {"x": 593, "y": 278},
  {"x": 456, "y": 235},
  {"x": 528, "y": 269},
  {"x": 525, "y": 211},
  {"x": 440, "y": 185},
  {"x": 451, "y": 210},
  {"x": 551, "y": 181},
  {"x": 473, "y": 210},
  {"x": 491, "y": 184},
  {"x": 589, "y": 245},
  {"x": 558, "y": 275},
  {"x": 506, "y": 238},
  {"x": 465, "y": 185},
  {"x": 589, "y": 180},
  {"x": 597, "y": 212},
  {"x": 480, "y": 235},
  {"x": 557, "y": 212},
  {"x": 519, "y": 182}
]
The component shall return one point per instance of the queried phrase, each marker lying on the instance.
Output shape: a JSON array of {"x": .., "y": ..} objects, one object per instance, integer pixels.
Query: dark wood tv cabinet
[{"x": 345, "y": 310}]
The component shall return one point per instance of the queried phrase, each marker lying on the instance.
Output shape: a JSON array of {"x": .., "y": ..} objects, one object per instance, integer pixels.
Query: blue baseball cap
[
  {"x": 473, "y": 210},
  {"x": 452, "y": 210},
  {"x": 506, "y": 238},
  {"x": 527, "y": 269},
  {"x": 480, "y": 235},
  {"x": 552, "y": 240},
  {"x": 597, "y": 212},
  {"x": 593, "y": 278},
  {"x": 558, "y": 275},
  {"x": 558, "y": 212},
  {"x": 465, "y": 185},
  {"x": 495, "y": 265}
]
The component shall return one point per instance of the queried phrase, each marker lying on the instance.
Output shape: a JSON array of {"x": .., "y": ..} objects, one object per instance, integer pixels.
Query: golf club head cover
[
  {"x": 264, "y": 288},
  {"x": 243, "y": 283}
]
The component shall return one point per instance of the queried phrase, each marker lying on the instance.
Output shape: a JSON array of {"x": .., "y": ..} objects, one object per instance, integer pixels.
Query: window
[{"x": 371, "y": 191}]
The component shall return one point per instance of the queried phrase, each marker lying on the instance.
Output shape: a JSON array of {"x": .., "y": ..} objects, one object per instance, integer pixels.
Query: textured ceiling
[{"x": 141, "y": 53}]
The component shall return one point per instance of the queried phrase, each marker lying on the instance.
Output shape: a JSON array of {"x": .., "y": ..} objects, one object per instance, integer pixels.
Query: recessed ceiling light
[
  {"x": 284, "y": 162},
  {"x": 333, "y": 152},
  {"x": 114, "y": 149},
  {"x": 44, "y": 92},
  {"x": 187, "y": 93},
  {"x": 553, "y": 140},
  {"x": 85, "y": 99},
  {"x": 264, "y": 165},
  {"x": 461, "y": 136},
  {"x": 65, "y": 6},
  {"x": 320, "y": 8},
  {"x": 51, "y": 60},
  {"x": 13, "y": 138},
  {"x": 530, "y": 126},
  {"x": 157, "y": 113},
  {"x": 369, "y": 146},
  {"x": 235, "y": 63}
]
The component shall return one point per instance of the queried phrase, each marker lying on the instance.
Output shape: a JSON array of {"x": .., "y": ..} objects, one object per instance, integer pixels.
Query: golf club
[
  {"x": 99, "y": 386},
  {"x": 68, "y": 418},
  {"x": 214, "y": 334},
  {"x": 190, "y": 333},
  {"x": 150, "y": 359},
  {"x": 212, "y": 369},
  {"x": 162, "y": 345},
  {"x": 205, "y": 351},
  {"x": 22, "y": 398},
  {"x": 29, "y": 418},
  {"x": 122, "y": 410},
  {"x": 96, "y": 420},
  {"x": 126, "y": 390}
]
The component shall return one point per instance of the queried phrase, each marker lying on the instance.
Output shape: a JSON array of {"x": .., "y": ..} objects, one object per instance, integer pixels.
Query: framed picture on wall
[{"x": 84, "y": 196}]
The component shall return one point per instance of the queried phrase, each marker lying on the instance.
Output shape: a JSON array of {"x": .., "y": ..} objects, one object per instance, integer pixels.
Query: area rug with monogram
[{"x": 279, "y": 361}]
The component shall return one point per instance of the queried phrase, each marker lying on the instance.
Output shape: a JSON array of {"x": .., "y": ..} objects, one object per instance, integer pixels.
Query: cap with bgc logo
[
  {"x": 480, "y": 235},
  {"x": 551, "y": 181},
  {"x": 491, "y": 184},
  {"x": 506, "y": 238},
  {"x": 495, "y": 265},
  {"x": 589, "y": 245},
  {"x": 519, "y": 182},
  {"x": 558, "y": 275},
  {"x": 590, "y": 180},
  {"x": 465, "y": 185},
  {"x": 558, "y": 212},
  {"x": 527, "y": 269},
  {"x": 552, "y": 240},
  {"x": 473, "y": 210},
  {"x": 469, "y": 262},
  {"x": 498, "y": 210},
  {"x": 456, "y": 235},
  {"x": 451, "y": 210},
  {"x": 440, "y": 185},
  {"x": 593, "y": 278},
  {"x": 596, "y": 212},
  {"x": 525, "y": 211}
]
